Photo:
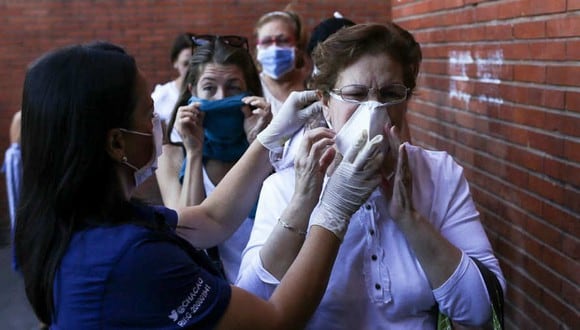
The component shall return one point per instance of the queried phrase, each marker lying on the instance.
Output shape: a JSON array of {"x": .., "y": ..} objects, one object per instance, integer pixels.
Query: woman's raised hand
[
  {"x": 401, "y": 206},
  {"x": 257, "y": 116},
  {"x": 311, "y": 162},
  {"x": 189, "y": 125}
]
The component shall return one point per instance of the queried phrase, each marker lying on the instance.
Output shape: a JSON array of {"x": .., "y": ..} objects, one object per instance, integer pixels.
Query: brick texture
[
  {"x": 145, "y": 28},
  {"x": 499, "y": 90}
]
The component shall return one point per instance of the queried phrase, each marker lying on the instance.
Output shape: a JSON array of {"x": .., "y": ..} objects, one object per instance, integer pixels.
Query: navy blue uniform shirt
[{"x": 134, "y": 277}]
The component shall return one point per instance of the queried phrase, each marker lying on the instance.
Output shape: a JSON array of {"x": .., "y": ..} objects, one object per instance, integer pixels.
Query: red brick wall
[
  {"x": 499, "y": 90},
  {"x": 145, "y": 28}
]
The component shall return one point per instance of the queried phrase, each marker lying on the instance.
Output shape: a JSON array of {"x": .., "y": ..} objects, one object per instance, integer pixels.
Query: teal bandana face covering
[{"x": 224, "y": 136}]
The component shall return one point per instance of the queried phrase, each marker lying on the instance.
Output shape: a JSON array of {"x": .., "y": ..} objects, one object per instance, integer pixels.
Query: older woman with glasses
[
  {"x": 415, "y": 245},
  {"x": 218, "y": 114}
]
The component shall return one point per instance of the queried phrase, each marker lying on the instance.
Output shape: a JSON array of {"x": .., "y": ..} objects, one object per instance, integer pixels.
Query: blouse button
[
  {"x": 368, "y": 206},
  {"x": 371, "y": 232},
  {"x": 374, "y": 257},
  {"x": 377, "y": 286}
]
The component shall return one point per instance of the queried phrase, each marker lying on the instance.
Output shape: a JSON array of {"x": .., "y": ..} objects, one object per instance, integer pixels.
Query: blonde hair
[{"x": 288, "y": 16}]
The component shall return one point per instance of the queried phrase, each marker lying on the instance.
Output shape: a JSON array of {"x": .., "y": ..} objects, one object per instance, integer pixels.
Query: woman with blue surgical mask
[
  {"x": 219, "y": 113},
  {"x": 280, "y": 54}
]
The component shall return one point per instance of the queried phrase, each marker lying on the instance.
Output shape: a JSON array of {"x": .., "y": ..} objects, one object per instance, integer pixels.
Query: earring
[{"x": 124, "y": 159}]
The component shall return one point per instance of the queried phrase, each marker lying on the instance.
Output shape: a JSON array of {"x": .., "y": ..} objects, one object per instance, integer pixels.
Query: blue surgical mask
[
  {"x": 224, "y": 135},
  {"x": 276, "y": 61}
]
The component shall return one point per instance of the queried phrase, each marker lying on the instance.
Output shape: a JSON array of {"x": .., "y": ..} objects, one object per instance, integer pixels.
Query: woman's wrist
[{"x": 193, "y": 155}]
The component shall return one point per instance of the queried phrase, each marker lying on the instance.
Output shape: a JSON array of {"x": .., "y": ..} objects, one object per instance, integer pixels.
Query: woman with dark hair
[
  {"x": 417, "y": 244},
  {"x": 94, "y": 259},
  {"x": 220, "y": 86},
  {"x": 166, "y": 95}
]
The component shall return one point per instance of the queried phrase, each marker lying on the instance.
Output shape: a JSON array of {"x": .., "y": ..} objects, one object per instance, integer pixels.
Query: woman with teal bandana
[{"x": 215, "y": 120}]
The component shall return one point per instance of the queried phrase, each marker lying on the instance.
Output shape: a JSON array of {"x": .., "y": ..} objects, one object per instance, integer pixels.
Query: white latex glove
[
  {"x": 297, "y": 108},
  {"x": 350, "y": 185}
]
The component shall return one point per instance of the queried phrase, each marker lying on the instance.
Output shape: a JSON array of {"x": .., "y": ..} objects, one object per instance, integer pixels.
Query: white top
[
  {"x": 275, "y": 104},
  {"x": 377, "y": 282},
  {"x": 164, "y": 99},
  {"x": 231, "y": 249}
]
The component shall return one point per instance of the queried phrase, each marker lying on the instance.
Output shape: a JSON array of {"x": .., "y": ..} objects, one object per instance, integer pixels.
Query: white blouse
[
  {"x": 377, "y": 282},
  {"x": 165, "y": 97}
]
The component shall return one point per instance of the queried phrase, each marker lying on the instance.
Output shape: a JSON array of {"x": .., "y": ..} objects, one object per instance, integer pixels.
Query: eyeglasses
[
  {"x": 280, "y": 40},
  {"x": 390, "y": 94},
  {"x": 231, "y": 40}
]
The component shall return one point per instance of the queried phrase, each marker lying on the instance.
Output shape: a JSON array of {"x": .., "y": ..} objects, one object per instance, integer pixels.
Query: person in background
[
  {"x": 92, "y": 258},
  {"x": 166, "y": 95},
  {"x": 409, "y": 250},
  {"x": 281, "y": 56},
  {"x": 324, "y": 30},
  {"x": 220, "y": 88},
  {"x": 12, "y": 168},
  {"x": 164, "y": 98}
]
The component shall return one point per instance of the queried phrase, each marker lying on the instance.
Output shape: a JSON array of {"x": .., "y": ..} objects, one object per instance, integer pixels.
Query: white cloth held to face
[{"x": 370, "y": 116}]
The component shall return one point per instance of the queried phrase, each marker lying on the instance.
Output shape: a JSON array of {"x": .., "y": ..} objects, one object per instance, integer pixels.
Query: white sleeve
[
  {"x": 274, "y": 197},
  {"x": 463, "y": 297}
]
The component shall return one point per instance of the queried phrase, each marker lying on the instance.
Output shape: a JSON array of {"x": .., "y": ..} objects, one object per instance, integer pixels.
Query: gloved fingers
[
  {"x": 310, "y": 110},
  {"x": 355, "y": 149},
  {"x": 302, "y": 98},
  {"x": 368, "y": 152},
  {"x": 287, "y": 121}
]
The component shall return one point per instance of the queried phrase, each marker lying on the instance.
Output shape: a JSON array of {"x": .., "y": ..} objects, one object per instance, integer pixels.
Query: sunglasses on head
[{"x": 230, "y": 40}]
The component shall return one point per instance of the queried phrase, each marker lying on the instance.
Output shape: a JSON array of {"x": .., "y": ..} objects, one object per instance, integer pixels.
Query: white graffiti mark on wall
[
  {"x": 458, "y": 62},
  {"x": 489, "y": 99},
  {"x": 487, "y": 70},
  {"x": 457, "y": 94}
]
